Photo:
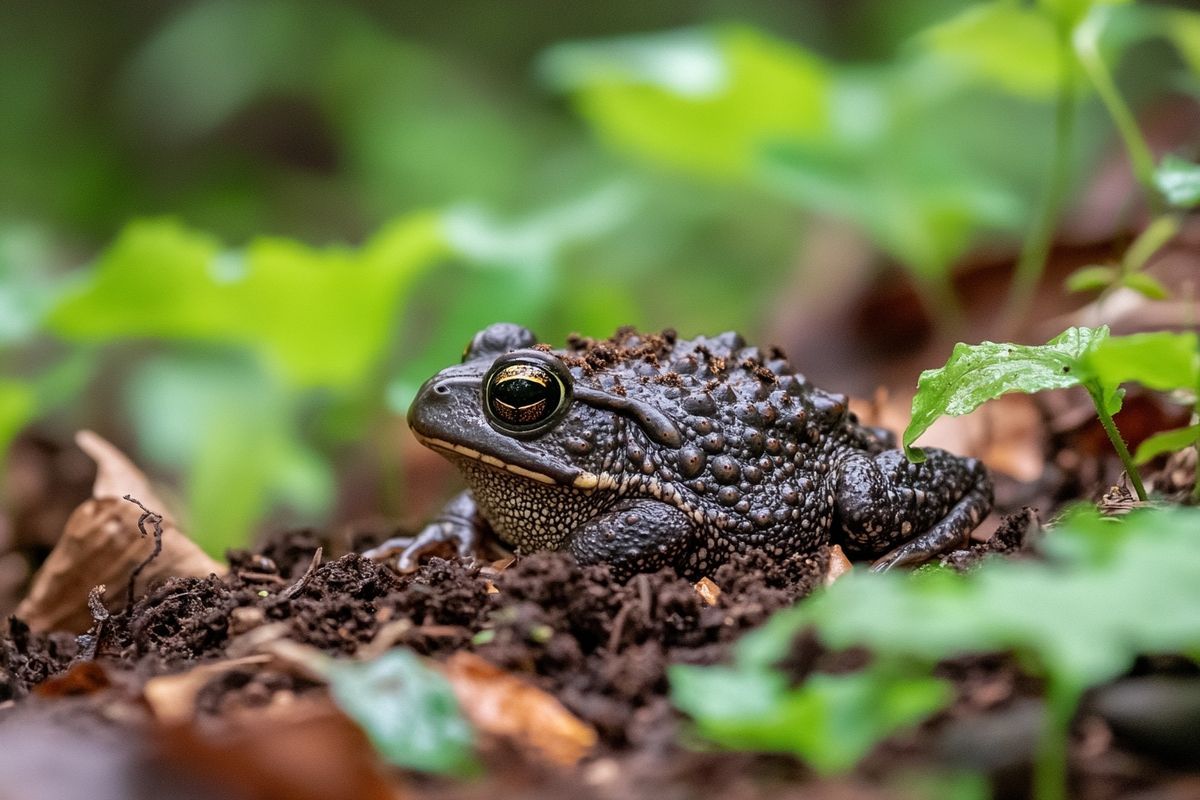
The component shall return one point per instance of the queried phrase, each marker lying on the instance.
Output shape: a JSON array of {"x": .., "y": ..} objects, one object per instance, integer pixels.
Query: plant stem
[
  {"x": 1087, "y": 47},
  {"x": 1118, "y": 443},
  {"x": 1032, "y": 262},
  {"x": 1196, "y": 446},
  {"x": 942, "y": 302},
  {"x": 1050, "y": 764}
]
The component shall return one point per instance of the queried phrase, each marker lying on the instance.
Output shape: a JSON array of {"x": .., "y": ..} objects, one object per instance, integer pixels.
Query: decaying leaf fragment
[
  {"x": 101, "y": 545},
  {"x": 303, "y": 750},
  {"x": 499, "y": 703},
  {"x": 839, "y": 564},
  {"x": 709, "y": 592}
]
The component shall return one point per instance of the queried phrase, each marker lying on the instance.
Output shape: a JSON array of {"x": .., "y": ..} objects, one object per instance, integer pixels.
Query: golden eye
[{"x": 524, "y": 397}]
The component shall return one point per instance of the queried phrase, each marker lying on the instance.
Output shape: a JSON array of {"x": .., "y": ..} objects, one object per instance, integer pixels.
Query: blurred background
[{"x": 235, "y": 235}]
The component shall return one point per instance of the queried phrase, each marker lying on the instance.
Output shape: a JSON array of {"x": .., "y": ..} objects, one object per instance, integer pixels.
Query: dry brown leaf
[
  {"x": 172, "y": 698},
  {"x": 101, "y": 544},
  {"x": 84, "y": 677},
  {"x": 709, "y": 592},
  {"x": 1006, "y": 433},
  {"x": 839, "y": 565},
  {"x": 303, "y": 750},
  {"x": 502, "y": 704}
]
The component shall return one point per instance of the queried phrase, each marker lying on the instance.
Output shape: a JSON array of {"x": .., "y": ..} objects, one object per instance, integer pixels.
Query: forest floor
[{"x": 203, "y": 686}]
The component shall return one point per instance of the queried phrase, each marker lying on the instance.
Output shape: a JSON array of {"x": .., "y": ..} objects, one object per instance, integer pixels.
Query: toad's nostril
[{"x": 442, "y": 388}]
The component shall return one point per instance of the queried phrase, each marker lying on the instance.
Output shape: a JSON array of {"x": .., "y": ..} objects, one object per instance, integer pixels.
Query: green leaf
[
  {"x": 1070, "y": 13},
  {"x": 18, "y": 404},
  {"x": 1179, "y": 182},
  {"x": 704, "y": 100},
  {"x": 975, "y": 374},
  {"x": 1009, "y": 45},
  {"x": 1091, "y": 278},
  {"x": 1166, "y": 442},
  {"x": 1110, "y": 591},
  {"x": 408, "y": 711},
  {"x": 1107, "y": 591},
  {"x": 1161, "y": 360},
  {"x": 232, "y": 431},
  {"x": 322, "y": 317},
  {"x": 831, "y": 721},
  {"x": 916, "y": 204},
  {"x": 1145, "y": 285}
]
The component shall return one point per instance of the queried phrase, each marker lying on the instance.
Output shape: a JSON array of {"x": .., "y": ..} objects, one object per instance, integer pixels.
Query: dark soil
[{"x": 600, "y": 647}]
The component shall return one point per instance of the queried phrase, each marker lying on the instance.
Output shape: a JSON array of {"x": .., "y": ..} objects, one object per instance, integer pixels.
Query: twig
[
  {"x": 298, "y": 586},
  {"x": 156, "y": 520},
  {"x": 100, "y": 618}
]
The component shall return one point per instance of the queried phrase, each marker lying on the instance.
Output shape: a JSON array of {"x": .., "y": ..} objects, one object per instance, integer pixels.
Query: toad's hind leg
[
  {"x": 922, "y": 510},
  {"x": 633, "y": 535}
]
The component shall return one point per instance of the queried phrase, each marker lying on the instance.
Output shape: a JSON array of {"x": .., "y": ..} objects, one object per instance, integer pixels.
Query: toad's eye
[{"x": 525, "y": 397}]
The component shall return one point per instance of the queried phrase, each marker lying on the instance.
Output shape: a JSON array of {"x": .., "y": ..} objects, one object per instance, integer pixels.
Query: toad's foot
[
  {"x": 458, "y": 525},
  {"x": 920, "y": 510}
]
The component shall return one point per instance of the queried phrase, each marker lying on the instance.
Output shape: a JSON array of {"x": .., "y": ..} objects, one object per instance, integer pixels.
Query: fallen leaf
[
  {"x": 839, "y": 565},
  {"x": 305, "y": 750},
  {"x": 172, "y": 698},
  {"x": 101, "y": 544},
  {"x": 709, "y": 592},
  {"x": 1006, "y": 434},
  {"x": 502, "y": 704},
  {"x": 84, "y": 677}
]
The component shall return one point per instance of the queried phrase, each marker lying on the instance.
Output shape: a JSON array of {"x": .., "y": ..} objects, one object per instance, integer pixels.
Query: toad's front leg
[
  {"x": 459, "y": 524},
  {"x": 632, "y": 536},
  {"x": 922, "y": 510}
]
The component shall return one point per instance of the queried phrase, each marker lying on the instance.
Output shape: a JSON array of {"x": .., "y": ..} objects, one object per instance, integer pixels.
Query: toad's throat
[{"x": 580, "y": 479}]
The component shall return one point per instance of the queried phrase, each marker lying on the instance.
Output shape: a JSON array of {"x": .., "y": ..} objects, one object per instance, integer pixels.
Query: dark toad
[{"x": 645, "y": 451}]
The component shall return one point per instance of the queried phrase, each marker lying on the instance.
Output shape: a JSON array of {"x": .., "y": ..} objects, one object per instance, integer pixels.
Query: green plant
[
  {"x": 1086, "y": 357},
  {"x": 1108, "y": 591},
  {"x": 266, "y": 336},
  {"x": 885, "y": 147},
  {"x": 735, "y": 105},
  {"x": 1128, "y": 273},
  {"x": 831, "y": 721},
  {"x": 406, "y": 707},
  {"x": 1086, "y": 32}
]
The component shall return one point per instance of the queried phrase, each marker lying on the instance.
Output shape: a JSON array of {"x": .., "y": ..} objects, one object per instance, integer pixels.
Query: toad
[{"x": 648, "y": 451}]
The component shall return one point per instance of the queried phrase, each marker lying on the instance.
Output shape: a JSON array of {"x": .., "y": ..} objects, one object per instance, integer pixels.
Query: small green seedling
[
  {"x": 1086, "y": 357},
  {"x": 1108, "y": 591},
  {"x": 1107, "y": 278}
]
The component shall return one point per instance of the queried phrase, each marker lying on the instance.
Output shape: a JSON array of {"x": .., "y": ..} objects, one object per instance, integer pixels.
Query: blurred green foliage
[
  {"x": 178, "y": 185},
  {"x": 408, "y": 710},
  {"x": 1140, "y": 569}
]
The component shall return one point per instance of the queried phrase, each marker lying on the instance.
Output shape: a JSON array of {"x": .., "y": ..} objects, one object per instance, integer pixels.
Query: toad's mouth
[{"x": 574, "y": 477}]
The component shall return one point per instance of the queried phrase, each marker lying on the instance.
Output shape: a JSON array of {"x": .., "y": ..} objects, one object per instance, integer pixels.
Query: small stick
[
  {"x": 156, "y": 520},
  {"x": 298, "y": 586},
  {"x": 100, "y": 618}
]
